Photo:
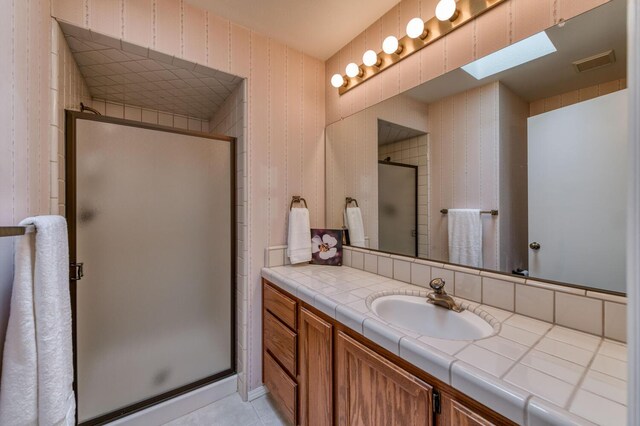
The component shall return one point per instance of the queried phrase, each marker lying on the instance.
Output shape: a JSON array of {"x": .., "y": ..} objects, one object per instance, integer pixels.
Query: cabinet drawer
[
  {"x": 281, "y": 342},
  {"x": 283, "y": 390},
  {"x": 280, "y": 305}
]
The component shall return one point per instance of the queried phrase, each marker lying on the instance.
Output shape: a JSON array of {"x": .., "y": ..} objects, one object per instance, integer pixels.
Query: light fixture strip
[{"x": 467, "y": 9}]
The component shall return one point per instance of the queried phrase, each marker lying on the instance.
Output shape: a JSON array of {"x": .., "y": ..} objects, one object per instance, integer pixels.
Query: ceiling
[
  {"x": 124, "y": 73},
  {"x": 392, "y": 132},
  {"x": 316, "y": 27},
  {"x": 586, "y": 35}
]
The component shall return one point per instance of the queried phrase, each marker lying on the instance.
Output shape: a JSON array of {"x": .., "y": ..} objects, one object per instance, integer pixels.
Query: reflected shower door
[
  {"x": 152, "y": 214},
  {"x": 397, "y": 208}
]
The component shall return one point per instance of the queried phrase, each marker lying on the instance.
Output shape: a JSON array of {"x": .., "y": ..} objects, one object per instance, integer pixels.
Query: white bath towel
[
  {"x": 353, "y": 222},
  {"x": 299, "y": 238},
  {"x": 37, "y": 364},
  {"x": 465, "y": 237}
]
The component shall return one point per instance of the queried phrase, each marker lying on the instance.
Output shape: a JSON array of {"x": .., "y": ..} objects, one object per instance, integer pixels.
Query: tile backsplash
[{"x": 593, "y": 312}]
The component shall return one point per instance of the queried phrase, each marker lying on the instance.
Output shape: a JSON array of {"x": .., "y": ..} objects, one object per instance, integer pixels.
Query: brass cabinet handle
[{"x": 534, "y": 246}]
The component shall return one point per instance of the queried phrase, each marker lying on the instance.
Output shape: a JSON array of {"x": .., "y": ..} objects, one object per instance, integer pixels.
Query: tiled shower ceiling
[
  {"x": 153, "y": 81},
  {"x": 391, "y": 132}
]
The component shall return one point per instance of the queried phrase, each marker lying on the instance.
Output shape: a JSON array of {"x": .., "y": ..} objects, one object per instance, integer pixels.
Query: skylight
[{"x": 519, "y": 53}]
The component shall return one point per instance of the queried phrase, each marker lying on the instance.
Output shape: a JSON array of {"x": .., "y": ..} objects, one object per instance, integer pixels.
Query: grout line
[
  {"x": 578, "y": 385},
  {"x": 518, "y": 360}
]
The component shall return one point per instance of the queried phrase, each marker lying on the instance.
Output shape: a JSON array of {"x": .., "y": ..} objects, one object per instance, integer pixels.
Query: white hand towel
[
  {"x": 299, "y": 238},
  {"x": 353, "y": 221},
  {"x": 37, "y": 376},
  {"x": 465, "y": 237}
]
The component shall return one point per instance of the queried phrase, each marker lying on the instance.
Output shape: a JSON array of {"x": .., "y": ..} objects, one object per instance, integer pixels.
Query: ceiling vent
[{"x": 596, "y": 61}]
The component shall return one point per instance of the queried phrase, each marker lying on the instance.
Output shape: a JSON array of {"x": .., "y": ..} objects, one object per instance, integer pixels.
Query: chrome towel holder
[
  {"x": 350, "y": 200},
  {"x": 299, "y": 200},
  {"x": 15, "y": 231},
  {"x": 491, "y": 212}
]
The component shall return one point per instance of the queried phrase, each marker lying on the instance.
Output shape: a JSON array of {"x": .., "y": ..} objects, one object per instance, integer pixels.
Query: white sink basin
[{"x": 415, "y": 314}]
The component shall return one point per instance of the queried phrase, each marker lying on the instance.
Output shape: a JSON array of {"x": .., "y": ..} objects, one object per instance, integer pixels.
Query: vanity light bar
[{"x": 454, "y": 17}]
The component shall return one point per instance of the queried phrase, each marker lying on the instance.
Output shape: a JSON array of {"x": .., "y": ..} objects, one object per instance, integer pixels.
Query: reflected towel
[
  {"x": 465, "y": 237},
  {"x": 299, "y": 238},
  {"x": 37, "y": 364},
  {"x": 353, "y": 222}
]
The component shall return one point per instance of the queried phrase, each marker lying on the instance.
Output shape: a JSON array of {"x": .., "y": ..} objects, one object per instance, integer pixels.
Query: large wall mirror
[{"x": 514, "y": 163}]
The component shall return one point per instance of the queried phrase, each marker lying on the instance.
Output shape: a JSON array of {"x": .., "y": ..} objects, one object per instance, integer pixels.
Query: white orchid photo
[{"x": 326, "y": 246}]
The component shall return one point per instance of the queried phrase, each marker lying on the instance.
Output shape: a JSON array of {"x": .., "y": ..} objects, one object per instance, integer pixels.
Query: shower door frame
[
  {"x": 392, "y": 163},
  {"x": 70, "y": 188}
]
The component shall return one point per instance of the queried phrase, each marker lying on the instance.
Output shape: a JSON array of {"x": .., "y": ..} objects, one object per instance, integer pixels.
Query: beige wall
[
  {"x": 285, "y": 119},
  {"x": 506, "y": 24}
]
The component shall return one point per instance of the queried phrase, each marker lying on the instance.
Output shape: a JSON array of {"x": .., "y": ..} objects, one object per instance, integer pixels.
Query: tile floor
[{"x": 232, "y": 411}]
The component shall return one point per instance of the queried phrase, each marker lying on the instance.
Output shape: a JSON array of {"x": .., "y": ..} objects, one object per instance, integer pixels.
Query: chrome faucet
[{"x": 440, "y": 297}]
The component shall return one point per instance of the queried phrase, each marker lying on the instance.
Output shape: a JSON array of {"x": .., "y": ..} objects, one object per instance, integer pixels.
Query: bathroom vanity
[
  {"x": 319, "y": 371},
  {"x": 329, "y": 358}
]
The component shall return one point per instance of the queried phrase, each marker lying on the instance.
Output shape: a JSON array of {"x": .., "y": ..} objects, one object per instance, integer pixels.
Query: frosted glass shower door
[
  {"x": 397, "y": 208},
  {"x": 154, "y": 227}
]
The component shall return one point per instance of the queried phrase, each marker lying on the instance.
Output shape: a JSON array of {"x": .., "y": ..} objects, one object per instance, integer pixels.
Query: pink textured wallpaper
[
  {"x": 569, "y": 98},
  {"x": 464, "y": 141},
  {"x": 507, "y": 23},
  {"x": 25, "y": 113}
]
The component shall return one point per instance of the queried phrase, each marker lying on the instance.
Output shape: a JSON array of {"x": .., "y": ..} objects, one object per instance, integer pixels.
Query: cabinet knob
[{"x": 534, "y": 246}]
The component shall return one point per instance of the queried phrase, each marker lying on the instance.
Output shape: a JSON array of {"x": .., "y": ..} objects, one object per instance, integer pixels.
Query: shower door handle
[{"x": 76, "y": 271}]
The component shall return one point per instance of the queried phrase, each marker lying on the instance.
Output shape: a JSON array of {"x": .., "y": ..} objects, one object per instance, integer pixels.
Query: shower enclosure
[{"x": 151, "y": 215}]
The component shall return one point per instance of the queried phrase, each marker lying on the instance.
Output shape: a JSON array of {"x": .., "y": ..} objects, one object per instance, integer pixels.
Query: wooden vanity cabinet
[
  {"x": 374, "y": 391},
  {"x": 315, "y": 377},
  {"x": 454, "y": 413},
  {"x": 279, "y": 349},
  {"x": 320, "y": 373}
]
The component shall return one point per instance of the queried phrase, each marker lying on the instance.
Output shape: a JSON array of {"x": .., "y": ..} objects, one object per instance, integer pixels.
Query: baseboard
[
  {"x": 181, "y": 405},
  {"x": 257, "y": 393}
]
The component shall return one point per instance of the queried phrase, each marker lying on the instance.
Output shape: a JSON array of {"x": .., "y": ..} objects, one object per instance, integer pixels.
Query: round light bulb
[
  {"x": 415, "y": 28},
  {"x": 370, "y": 58},
  {"x": 390, "y": 45},
  {"x": 337, "y": 81},
  {"x": 352, "y": 70},
  {"x": 446, "y": 10}
]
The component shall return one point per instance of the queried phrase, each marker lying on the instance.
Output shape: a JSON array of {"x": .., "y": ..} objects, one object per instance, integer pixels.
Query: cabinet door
[
  {"x": 456, "y": 414},
  {"x": 373, "y": 391},
  {"x": 316, "y": 370}
]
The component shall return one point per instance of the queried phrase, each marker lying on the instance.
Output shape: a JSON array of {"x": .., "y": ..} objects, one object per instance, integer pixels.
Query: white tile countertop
[{"x": 530, "y": 371}]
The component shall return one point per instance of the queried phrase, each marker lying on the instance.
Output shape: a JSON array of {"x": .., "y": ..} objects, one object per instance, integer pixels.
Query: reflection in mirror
[{"x": 540, "y": 140}]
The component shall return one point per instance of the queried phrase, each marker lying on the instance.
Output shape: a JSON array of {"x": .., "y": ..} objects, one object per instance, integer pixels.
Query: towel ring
[
  {"x": 350, "y": 200},
  {"x": 298, "y": 199}
]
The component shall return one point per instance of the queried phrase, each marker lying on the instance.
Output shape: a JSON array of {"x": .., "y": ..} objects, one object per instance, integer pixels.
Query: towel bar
[
  {"x": 298, "y": 199},
  {"x": 491, "y": 212},
  {"x": 14, "y": 231}
]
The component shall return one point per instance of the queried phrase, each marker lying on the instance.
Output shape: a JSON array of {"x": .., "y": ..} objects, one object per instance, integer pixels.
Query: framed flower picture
[{"x": 326, "y": 247}]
